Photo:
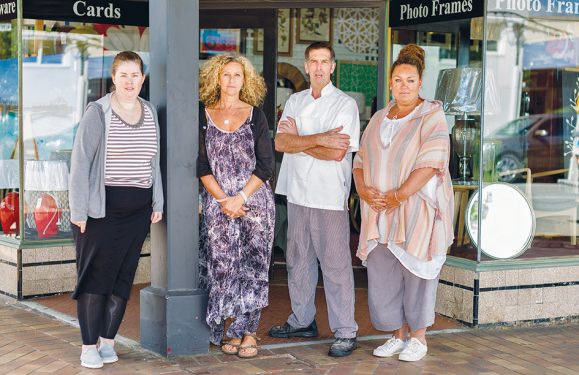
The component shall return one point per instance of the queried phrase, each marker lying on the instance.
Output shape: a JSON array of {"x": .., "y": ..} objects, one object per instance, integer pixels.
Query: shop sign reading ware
[
  {"x": 118, "y": 12},
  {"x": 7, "y": 9},
  {"x": 412, "y": 12}
]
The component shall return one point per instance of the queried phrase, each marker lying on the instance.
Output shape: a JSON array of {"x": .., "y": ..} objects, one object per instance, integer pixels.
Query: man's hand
[
  {"x": 334, "y": 139},
  {"x": 288, "y": 126}
]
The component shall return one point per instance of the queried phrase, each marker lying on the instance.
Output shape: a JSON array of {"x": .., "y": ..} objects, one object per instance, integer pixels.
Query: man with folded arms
[{"x": 318, "y": 132}]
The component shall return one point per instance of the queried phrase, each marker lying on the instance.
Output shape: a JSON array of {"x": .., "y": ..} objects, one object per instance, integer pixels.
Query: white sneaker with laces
[
  {"x": 390, "y": 347},
  {"x": 415, "y": 351},
  {"x": 90, "y": 358}
]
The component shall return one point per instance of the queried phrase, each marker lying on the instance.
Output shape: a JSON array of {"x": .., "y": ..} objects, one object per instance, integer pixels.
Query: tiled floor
[
  {"x": 31, "y": 343},
  {"x": 275, "y": 313}
]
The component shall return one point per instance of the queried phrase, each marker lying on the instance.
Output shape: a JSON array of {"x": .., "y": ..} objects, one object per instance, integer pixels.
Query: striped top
[
  {"x": 130, "y": 150},
  {"x": 422, "y": 226}
]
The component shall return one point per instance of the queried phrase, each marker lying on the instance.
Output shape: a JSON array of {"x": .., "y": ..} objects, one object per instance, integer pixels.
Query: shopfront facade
[
  {"x": 511, "y": 94},
  {"x": 506, "y": 72}
]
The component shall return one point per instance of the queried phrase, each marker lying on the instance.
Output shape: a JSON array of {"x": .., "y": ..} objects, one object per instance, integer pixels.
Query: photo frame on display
[
  {"x": 214, "y": 41},
  {"x": 314, "y": 25},
  {"x": 284, "y": 34}
]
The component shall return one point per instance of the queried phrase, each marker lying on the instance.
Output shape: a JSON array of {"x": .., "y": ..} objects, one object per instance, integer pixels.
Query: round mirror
[{"x": 508, "y": 221}]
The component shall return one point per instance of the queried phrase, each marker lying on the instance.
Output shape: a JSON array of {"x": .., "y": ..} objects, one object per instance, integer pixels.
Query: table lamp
[{"x": 460, "y": 91}]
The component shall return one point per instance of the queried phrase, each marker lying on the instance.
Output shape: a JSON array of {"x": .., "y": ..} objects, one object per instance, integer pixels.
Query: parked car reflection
[{"x": 535, "y": 142}]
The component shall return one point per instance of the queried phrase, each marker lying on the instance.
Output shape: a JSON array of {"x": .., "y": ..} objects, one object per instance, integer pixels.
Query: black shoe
[
  {"x": 287, "y": 331},
  {"x": 342, "y": 347}
]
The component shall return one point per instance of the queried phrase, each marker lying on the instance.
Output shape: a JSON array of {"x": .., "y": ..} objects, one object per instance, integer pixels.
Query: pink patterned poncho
[{"x": 422, "y": 225}]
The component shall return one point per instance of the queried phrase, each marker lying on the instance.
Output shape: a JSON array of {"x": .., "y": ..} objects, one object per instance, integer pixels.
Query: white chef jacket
[{"x": 305, "y": 180}]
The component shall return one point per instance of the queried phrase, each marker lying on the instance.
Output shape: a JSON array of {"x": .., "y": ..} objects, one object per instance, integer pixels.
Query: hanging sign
[
  {"x": 113, "y": 12},
  {"x": 414, "y": 12},
  {"x": 537, "y": 7},
  {"x": 7, "y": 10}
]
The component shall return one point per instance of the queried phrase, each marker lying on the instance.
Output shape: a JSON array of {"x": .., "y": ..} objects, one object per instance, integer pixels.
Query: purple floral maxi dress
[{"x": 234, "y": 253}]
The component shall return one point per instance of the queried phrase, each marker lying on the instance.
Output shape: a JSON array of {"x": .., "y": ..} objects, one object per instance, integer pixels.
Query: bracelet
[
  {"x": 242, "y": 194},
  {"x": 396, "y": 197},
  {"x": 221, "y": 200}
]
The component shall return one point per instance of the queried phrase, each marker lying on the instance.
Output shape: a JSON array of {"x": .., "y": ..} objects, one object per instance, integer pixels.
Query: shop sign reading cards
[
  {"x": 537, "y": 7},
  {"x": 110, "y": 12},
  {"x": 7, "y": 9},
  {"x": 413, "y": 12}
]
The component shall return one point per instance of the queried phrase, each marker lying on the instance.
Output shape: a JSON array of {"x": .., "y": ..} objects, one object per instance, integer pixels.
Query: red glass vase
[
  {"x": 10, "y": 214},
  {"x": 46, "y": 214}
]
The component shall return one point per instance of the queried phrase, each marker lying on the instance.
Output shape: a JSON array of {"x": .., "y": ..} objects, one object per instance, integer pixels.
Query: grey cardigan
[{"x": 87, "y": 169}]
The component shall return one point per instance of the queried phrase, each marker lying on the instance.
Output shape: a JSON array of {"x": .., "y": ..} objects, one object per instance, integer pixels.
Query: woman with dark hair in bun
[{"x": 401, "y": 174}]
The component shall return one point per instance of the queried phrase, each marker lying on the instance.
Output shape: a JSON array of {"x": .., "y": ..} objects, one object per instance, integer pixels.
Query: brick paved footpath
[{"x": 33, "y": 343}]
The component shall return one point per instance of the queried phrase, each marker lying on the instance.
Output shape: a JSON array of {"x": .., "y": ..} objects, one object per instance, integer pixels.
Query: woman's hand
[
  {"x": 391, "y": 200},
  {"x": 233, "y": 207},
  {"x": 80, "y": 224},
  {"x": 156, "y": 217},
  {"x": 373, "y": 197}
]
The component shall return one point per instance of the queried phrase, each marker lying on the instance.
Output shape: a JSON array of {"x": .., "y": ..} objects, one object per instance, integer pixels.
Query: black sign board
[
  {"x": 7, "y": 10},
  {"x": 415, "y": 12},
  {"x": 113, "y": 12}
]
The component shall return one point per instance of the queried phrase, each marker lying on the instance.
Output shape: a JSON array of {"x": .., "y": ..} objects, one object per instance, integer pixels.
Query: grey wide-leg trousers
[
  {"x": 397, "y": 296},
  {"x": 325, "y": 235}
]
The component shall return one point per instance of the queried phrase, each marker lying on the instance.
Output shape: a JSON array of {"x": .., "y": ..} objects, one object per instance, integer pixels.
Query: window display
[
  {"x": 65, "y": 64},
  {"x": 534, "y": 126}
]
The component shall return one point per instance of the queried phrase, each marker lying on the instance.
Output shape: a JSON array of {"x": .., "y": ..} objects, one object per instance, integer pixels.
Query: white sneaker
[
  {"x": 415, "y": 351},
  {"x": 108, "y": 354},
  {"x": 391, "y": 347},
  {"x": 90, "y": 358}
]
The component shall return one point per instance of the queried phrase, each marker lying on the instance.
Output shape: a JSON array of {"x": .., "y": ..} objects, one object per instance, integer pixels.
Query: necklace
[
  {"x": 231, "y": 115},
  {"x": 399, "y": 114},
  {"x": 141, "y": 119}
]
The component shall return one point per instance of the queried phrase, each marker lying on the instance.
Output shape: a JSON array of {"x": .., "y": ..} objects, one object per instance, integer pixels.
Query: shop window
[
  {"x": 65, "y": 65},
  {"x": 9, "y": 183},
  {"x": 534, "y": 125}
]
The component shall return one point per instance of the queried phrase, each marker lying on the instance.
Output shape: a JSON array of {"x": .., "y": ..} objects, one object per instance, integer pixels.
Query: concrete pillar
[{"x": 173, "y": 307}]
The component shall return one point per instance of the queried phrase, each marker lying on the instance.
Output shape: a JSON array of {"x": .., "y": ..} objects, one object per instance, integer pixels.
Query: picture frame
[
  {"x": 214, "y": 41},
  {"x": 314, "y": 25},
  {"x": 284, "y": 34}
]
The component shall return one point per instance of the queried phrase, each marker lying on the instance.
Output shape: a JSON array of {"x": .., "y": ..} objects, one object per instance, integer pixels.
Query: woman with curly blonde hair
[{"x": 235, "y": 163}]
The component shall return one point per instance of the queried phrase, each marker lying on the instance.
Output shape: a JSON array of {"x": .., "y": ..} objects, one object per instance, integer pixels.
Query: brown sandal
[
  {"x": 251, "y": 346},
  {"x": 233, "y": 351}
]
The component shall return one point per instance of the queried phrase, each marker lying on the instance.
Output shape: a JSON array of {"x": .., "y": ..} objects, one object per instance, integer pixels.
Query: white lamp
[{"x": 461, "y": 90}]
